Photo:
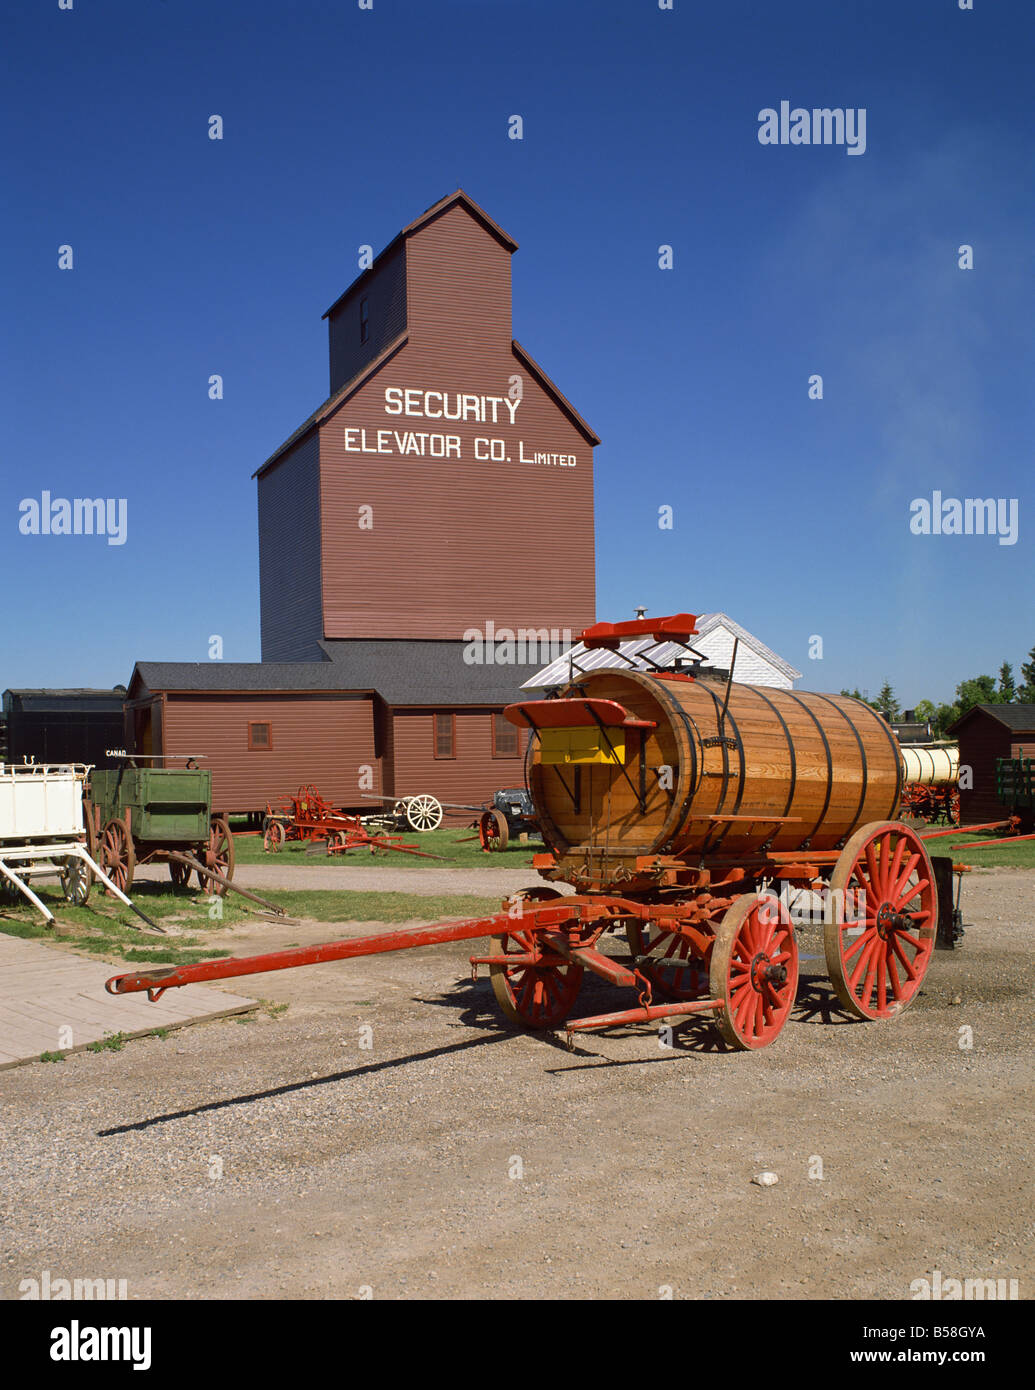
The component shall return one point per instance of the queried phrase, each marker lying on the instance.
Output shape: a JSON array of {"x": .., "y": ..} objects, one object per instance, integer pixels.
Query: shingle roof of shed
[{"x": 1017, "y": 717}]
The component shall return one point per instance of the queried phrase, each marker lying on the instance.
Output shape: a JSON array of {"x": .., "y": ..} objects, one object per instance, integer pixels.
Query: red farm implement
[{"x": 307, "y": 818}]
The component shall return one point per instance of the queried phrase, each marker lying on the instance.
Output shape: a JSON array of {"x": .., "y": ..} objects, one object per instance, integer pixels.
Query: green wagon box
[
  {"x": 164, "y": 803},
  {"x": 145, "y": 815}
]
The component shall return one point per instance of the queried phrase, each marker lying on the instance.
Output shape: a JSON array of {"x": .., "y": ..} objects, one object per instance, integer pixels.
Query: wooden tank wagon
[{"x": 679, "y": 808}]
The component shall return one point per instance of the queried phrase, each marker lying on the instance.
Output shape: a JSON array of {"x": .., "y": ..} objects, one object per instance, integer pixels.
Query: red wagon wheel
[
  {"x": 273, "y": 837},
  {"x": 90, "y": 827},
  {"x": 673, "y": 970},
  {"x": 754, "y": 970},
  {"x": 219, "y": 855},
  {"x": 179, "y": 873},
  {"x": 534, "y": 996},
  {"x": 118, "y": 857},
  {"x": 879, "y": 950},
  {"x": 493, "y": 831}
]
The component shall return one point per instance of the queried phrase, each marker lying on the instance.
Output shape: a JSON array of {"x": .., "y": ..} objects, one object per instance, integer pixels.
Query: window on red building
[
  {"x": 260, "y": 738},
  {"x": 445, "y": 735},
  {"x": 505, "y": 741}
]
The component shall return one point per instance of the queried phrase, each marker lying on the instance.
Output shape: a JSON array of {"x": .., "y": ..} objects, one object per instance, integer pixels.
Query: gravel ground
[{"x": 456, "y": 1159}]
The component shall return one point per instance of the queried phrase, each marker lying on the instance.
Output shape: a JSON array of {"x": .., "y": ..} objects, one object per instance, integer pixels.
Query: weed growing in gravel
[
  {"x": 111, "y": 1042},
  {"x": 52, "y": 1056}
]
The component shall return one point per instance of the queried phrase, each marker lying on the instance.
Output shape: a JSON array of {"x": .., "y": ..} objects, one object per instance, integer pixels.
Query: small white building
[{"x": 716, "y": 634}]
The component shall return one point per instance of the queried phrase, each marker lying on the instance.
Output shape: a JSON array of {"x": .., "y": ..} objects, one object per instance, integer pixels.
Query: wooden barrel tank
[
  {"x": 773, "y": 770},
  {"x": 931, "y": 765}
]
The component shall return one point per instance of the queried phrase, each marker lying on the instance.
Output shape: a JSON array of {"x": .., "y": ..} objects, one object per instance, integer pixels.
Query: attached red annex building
[{"x": 418, "y": 598}]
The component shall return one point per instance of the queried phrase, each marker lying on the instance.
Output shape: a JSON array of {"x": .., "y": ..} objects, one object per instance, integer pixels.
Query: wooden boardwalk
[{"x": 53, "y": 1001}]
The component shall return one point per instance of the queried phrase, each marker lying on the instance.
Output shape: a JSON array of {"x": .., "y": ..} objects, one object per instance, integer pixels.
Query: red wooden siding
[
  {"x": 447, "y": 530},
  {"x": 982, "y": 739},
  {"x": 458, "y": 286},
  {"x": 451, "y": 543},
  {"x": 318, "y": 738},
  {"x": 418, "y": 525},
  {"x": 471, "y": 777}
]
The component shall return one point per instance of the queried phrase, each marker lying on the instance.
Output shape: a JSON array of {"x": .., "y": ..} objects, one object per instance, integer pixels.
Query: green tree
[
  {"x": 1007, "y": 688},
  {"x": 857, "y": 694},
  {"x": 886, "y": 702},
  {"x": 1027, "y": 690},
  {"x": 979, "y": 690},
  {"x": 944, "y": 716},
  {"x": 924, "y": 712}
]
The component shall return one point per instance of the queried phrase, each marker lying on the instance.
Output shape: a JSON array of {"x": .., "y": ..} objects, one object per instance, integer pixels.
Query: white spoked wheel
[
  {"x": 76, "y": 879},
  {"x": 423, "y": 813}
]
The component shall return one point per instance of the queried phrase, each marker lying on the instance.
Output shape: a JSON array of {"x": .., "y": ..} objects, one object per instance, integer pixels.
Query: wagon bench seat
[{"x": 574, "y": 714}]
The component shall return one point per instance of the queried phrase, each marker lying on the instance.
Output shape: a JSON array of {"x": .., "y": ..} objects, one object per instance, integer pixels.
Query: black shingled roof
[
  {"x": 1019, "y": 718},
  {"x": 402, "y": 673}
]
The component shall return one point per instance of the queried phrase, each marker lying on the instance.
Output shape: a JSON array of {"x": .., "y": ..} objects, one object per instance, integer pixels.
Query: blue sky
[{"x": 195, "y": 257}]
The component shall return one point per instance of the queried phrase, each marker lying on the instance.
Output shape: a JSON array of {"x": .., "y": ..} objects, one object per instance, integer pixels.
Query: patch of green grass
[
  {"x": 452, "y": 842},
  {"x": 52, "y": 1056},
  {"x": 168, "y": 955},
  {"x": 111, "y": 1042},
  {"x": 105, "y": 927},
  {"x": 1018, "y": 856}
]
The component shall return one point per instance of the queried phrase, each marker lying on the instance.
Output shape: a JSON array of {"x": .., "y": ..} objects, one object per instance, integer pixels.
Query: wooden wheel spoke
[
  {"x": 896, "y": 863},
  {"x": 903, "y": 879},
  {"x": 759, "y": 1018},
  {"x": 871, "y": 974},
  {"x": 906, "y": 965},
  {"x": 873, "y": 868},
  {"x": 862, "y": 963},
  {"x": 896, "y": 986},
  {"x": 908, "y": 897},
  {"x": 867, "y": 936},
  {"x": 744, "y": 1005}
]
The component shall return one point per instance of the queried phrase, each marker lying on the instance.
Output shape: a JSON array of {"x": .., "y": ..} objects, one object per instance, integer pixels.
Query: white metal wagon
[{"x": 43, "y": 832}]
